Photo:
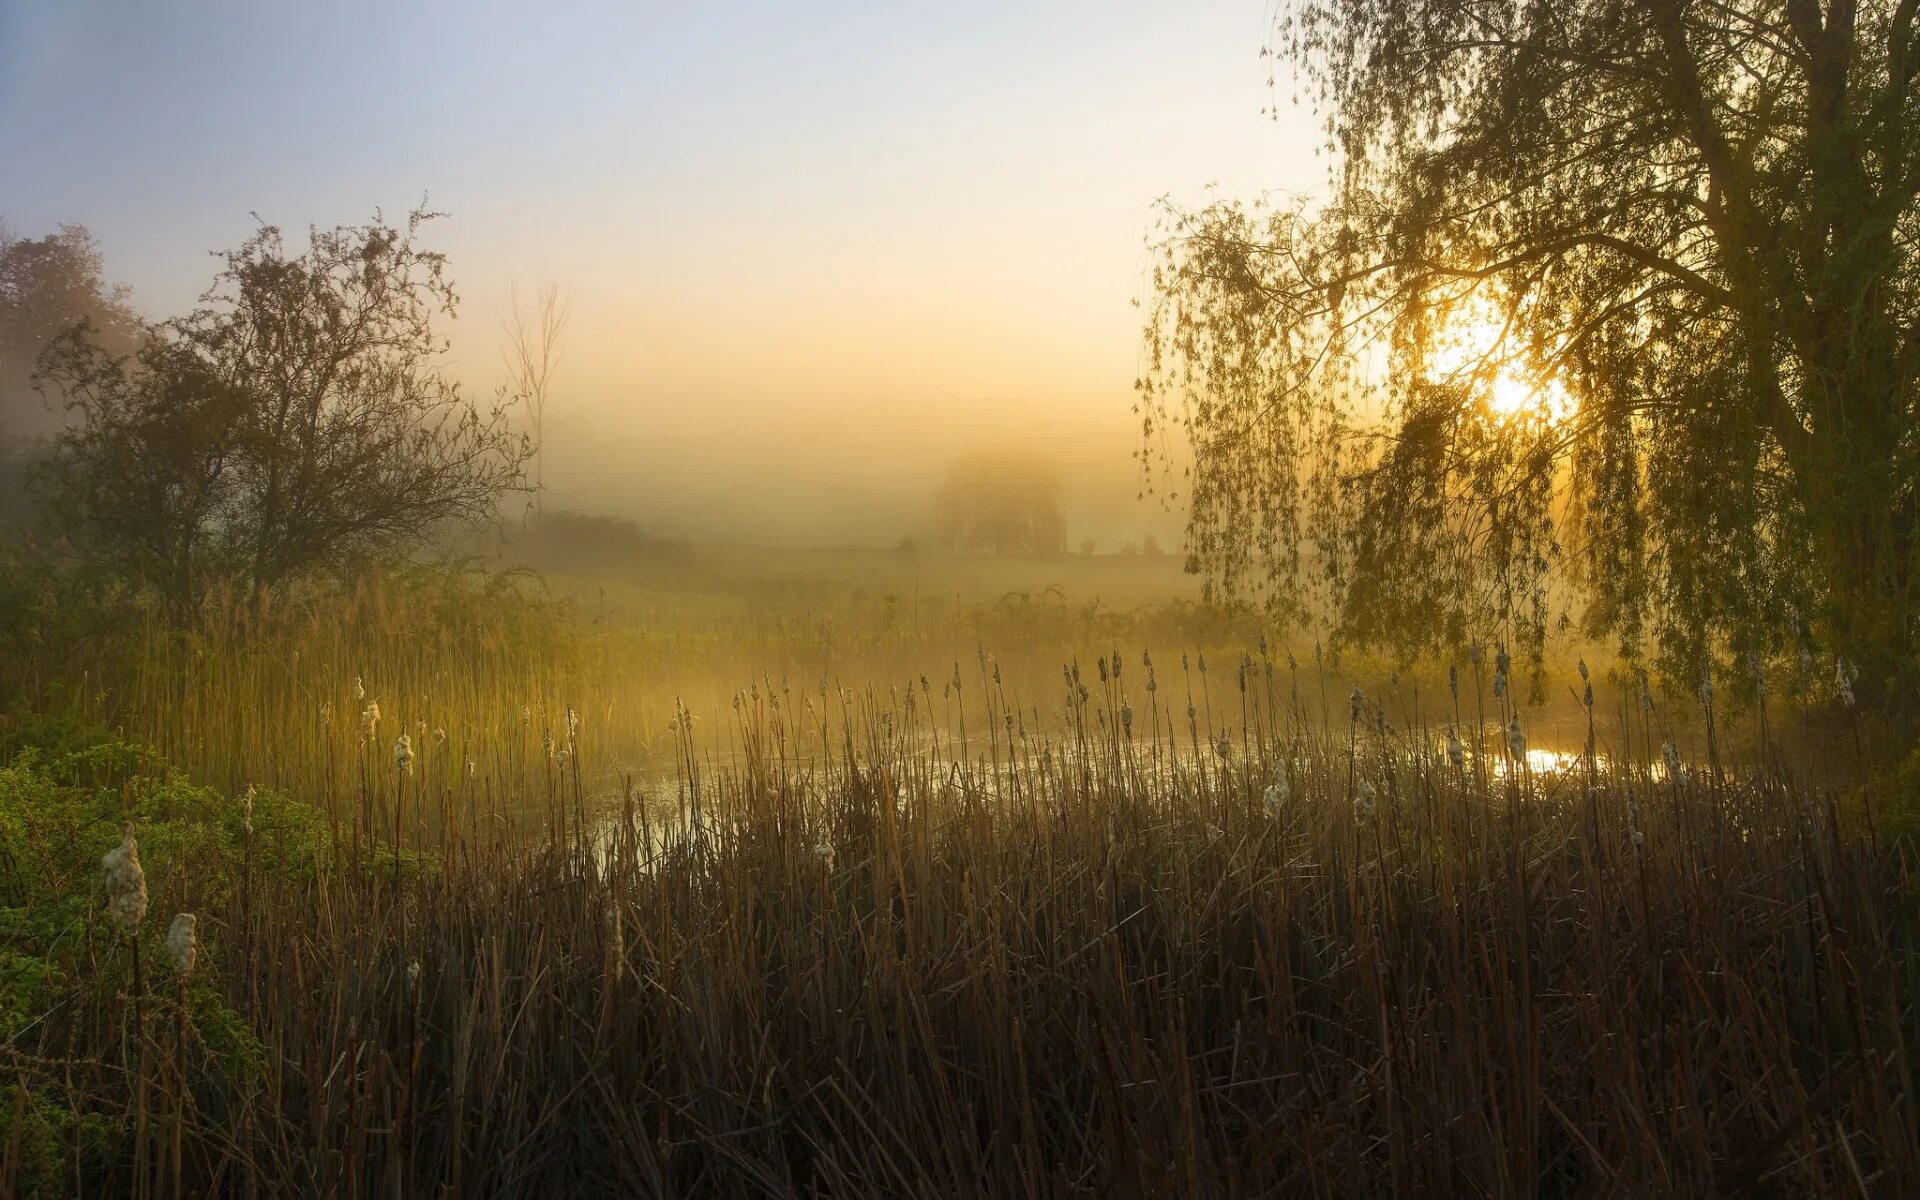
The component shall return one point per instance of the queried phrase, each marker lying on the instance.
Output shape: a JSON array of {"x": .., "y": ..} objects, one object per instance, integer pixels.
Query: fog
[{"x": 811, "y": 260}]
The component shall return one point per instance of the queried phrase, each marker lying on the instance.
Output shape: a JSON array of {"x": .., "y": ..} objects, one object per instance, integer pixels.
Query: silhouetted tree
[
  {"x": 297, "y": 422},
  {"x": 1629, "y": 289},
  {"x": 532, "y": 354},
  {"x": 48, "y": 286},
  {"x": 1003, "y": 502}
]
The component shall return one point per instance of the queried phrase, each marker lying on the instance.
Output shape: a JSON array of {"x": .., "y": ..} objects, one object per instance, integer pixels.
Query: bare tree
[{"x": 532, "y": 353}]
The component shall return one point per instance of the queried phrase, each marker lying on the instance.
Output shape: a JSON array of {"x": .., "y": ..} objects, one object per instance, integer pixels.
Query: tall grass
[{"x": 991, "y": 931}]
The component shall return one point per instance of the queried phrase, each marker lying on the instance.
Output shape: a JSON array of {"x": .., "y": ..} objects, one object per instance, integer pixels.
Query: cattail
[
  {"x": 246, "y": 811},
  {"x": 468, "y": 767},
  {"x": 1453, "y": 681},
  {"x": 546, "y": 741},
  {"x": 1275, "y": 799},
  {"x": 1356, "y": 700},
  {"x": 126, "y": 883},
  {"x": 326, "y": 712},
  {"x": 1116, "y": 664},
  {"x": 370, "y": 719},
  {"x": 421, "y": 728},
  {"x": 1706, "y": 682},
  {"x": 1646, "y": 694},
  {"x": 1292, "y": 663},
  {"x": 1670, "y": 758},
  {"x": 824, "y": 852},
  {"x": 1456, "y": 753},
  {"x": 1475, "y": 653},
  {"x": 1583, "y": 668},
  {"x": 1126, "y": 716},
  {"x": 1103, "y": 670},
  {"x": 616, "y": 942},
  {"x": 439, "y": 736},
  {"x": 413, "y": 974},
  {"x": 1843, "y": 676},
  {"x": 1223, "y": 746},
  {"x": 1499, "y": 684},
  {"x": 526, "y": 715},
  {"x": 1516, "y": 741},
  {"x": 1152, "y": 683},
  {"x": 573, "y": 725},
  {"x": 1502, "y": 661},
  {"x": 359, "y": 689},
  {"x": 403, "y": 753},
  {"x": 1363, "y": 797},
  {"x": 183, "y": 943}
]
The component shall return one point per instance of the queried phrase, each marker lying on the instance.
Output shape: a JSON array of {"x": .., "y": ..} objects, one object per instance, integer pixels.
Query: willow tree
[{"x": 1609, "y": 309}]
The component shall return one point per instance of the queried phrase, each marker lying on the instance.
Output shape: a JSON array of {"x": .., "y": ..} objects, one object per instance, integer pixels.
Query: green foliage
[
  {"x": 1609, "y": 310},
  {"x": 64, "y": 797}
]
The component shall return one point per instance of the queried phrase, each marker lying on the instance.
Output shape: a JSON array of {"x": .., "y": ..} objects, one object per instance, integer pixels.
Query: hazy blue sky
[{"x": 812, "y": 249}]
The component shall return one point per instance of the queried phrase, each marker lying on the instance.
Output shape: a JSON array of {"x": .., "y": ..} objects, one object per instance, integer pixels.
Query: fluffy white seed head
[
  {"x": 403, "y": 753},
  {"x": 183, "y": 943},
  {"x": 126, "y": 883}
]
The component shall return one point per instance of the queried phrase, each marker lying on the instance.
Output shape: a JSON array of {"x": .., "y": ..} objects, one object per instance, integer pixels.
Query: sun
[{"x": 1475, "y": 350}]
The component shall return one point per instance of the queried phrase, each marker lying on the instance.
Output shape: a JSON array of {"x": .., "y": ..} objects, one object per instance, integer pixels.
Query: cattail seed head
[
  {"x": 1516, "y": 741},
  {"x": 403, "y": 754},
  {"x": 1275, "y": 798},
  {"x": 183, "y": 943},
  {"x": 126, "y": 883}
]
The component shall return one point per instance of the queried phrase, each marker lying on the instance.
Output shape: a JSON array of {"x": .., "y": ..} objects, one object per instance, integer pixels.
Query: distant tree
[
  {"x": 1004, "y": 502},
  {"x": 48, "y": 286},
  {"x": 1150, "y": 546},
  {"x": 1624, "y": 295},
  {"x": 533, "y": 351},
  {"x": 296, "y": 423},
  {"x": 1087, "y": 547}
]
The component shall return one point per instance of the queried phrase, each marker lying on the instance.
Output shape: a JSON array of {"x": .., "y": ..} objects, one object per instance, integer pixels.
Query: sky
[{"x": 813, "y": 252}]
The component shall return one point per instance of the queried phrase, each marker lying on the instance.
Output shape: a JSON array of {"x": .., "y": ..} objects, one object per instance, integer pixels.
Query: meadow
[{"x": 872, "y": 873}]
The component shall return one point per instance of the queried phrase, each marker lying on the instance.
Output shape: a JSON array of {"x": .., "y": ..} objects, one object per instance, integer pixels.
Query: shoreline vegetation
[{"x": 1118, "y": 925}]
